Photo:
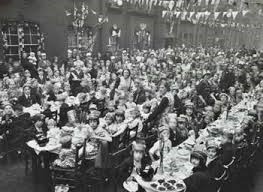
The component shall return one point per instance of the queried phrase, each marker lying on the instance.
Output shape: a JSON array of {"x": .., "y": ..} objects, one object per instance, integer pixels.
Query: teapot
[{"x": 147, "y": 173}]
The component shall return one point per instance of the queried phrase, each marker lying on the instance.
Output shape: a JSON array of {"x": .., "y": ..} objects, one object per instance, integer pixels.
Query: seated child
[
  {"x": 145, "y": 112},
  {"x": 67, "y": 154},
  {"x": 134, "y": 165},
  {"x": 135, "y": 119},
  {"x": 163, "y": 141},
  {"x": 53, "y": 132}
]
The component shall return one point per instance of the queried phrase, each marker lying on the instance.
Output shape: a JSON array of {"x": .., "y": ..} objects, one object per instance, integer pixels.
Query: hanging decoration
[{"x": 83, "y": 36}]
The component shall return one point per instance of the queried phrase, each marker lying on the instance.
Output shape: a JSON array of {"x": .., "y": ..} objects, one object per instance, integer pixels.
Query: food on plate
[
  {"x": 166, "y": 185},
  {"x": 154, "y": 185},
  {"x": 171, "y": 181},
  {"x": 183, "y": 152},
  {"x": 160, "y": 181},
  {"x": 171, "y": 188},
  {"x": 130, "y": 185},
  {"x": 161, "y": 189},
  {"x": 179, "y": 186}
]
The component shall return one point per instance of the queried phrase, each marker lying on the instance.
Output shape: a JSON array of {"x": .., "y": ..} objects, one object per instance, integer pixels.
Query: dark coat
[
  {"x": 199, "y": 181},
  {"x": 215, "y": 168},
  {"x": 228, "y": 151},
  {"x": 174, "y": 139},
  {"x": 63, "y": 115},
  {"x": 178, "y": 106},
  {"x": 158, "y": 110},
  {"x": 33, "y": 99},
  {"x": 16, "y": 135},
  {"x": 139, "y": 96}
]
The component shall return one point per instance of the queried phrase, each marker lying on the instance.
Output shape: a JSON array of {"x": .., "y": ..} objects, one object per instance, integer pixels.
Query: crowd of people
[{"x": 171, "y": 93}]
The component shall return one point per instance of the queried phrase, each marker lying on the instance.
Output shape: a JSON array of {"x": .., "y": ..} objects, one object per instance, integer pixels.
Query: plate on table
[
  {"x": 183, "y": 152},
  {"x": 167, "y": 185},
  {"x": 130, "y": 186}
]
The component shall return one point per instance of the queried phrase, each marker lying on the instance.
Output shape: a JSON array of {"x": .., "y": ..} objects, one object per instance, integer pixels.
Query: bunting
[
  {"x": 216, "y": 14},
  {"x": 234, "y": 14},
  {"x": 244, "y": 12},
  {"x": 191, "y": 15}
]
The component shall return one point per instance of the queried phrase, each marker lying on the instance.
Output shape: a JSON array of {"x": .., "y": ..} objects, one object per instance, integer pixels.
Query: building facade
[{"x": 54, "y": 24}]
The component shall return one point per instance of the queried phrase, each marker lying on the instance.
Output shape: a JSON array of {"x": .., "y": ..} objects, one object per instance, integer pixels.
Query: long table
[{"x": 177, "y": 163}]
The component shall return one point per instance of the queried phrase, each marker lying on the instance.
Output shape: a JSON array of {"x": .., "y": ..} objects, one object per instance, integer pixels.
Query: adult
[
  {"x": 27, "y": 99},
  {"x": 165, "y": 106},
  {"x": 200, "y": 179}
]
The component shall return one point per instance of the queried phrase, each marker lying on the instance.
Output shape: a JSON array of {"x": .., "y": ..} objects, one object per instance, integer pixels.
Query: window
[{"x": 21, "y": 36}]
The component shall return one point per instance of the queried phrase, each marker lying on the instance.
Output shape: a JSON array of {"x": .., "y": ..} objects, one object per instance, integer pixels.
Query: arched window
[{"x": 21, "y": 37}]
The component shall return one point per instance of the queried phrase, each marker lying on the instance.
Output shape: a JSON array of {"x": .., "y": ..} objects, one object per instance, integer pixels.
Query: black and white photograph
[{"x": 131, "y": 95}]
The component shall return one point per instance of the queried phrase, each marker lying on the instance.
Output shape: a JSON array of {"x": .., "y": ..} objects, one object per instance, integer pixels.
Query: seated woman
[
  {"x": 163, "y": 142},
  {"x": 200, "y": 180}
]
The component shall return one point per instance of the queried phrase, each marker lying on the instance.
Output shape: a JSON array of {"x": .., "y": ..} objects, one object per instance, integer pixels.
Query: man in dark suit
[
  {"x": 28, "y": 99},
  {"x": 139, "y": 96}
]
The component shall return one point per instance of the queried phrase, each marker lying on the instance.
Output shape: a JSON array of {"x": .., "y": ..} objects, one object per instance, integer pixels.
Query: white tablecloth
[{"x": 50, "y": 148}]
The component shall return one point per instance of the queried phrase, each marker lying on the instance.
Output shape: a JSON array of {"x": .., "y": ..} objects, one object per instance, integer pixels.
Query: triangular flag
[
  {"x": 207, "y": 14},
  {"x": 164, "y": 13},
  {"x": 191, "y": 15},
  {"x": 229, "y": 13},
  {"x": 177, "y": 14},
  {"x": 244, "y": 12},
  {"x": 234, "y": 14},
  {"x": 198, "y": 16},
  {"x": 224, "y": 14},
  {"x": 216, "y": 14},
  {"x": 183, "y": 15}
]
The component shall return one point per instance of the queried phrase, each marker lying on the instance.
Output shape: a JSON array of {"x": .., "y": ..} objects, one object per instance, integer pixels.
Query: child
[
  {"x": 135, "y": 120},
  {"x": 53, "y": 132},
  {"x": 145, "y": 112},
  {"x": 163, "y": 141},
  {"x": 67, "y": 154},
  {"x": 132, "y": 166},
  {"x": 130, "y": 104}
]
